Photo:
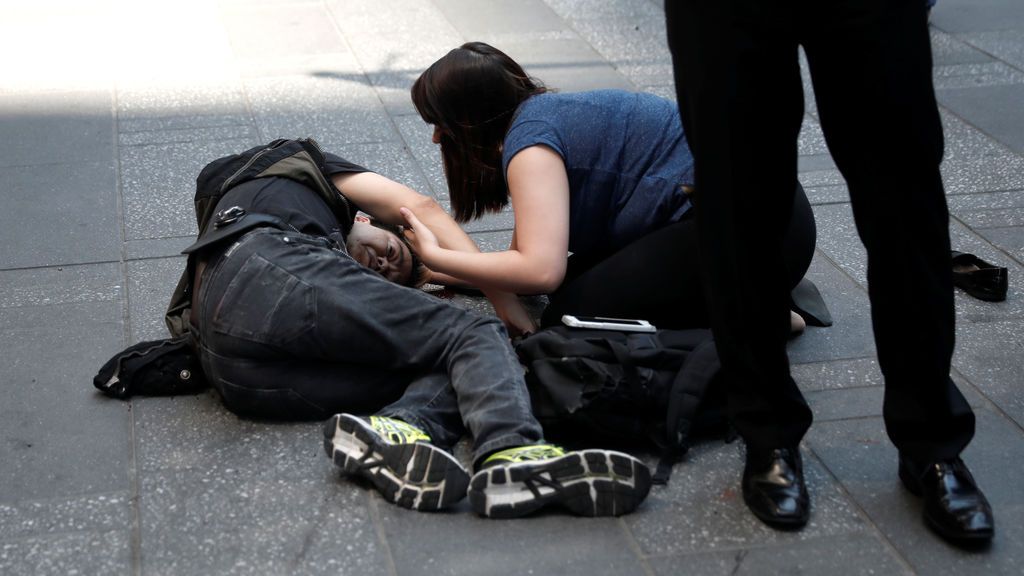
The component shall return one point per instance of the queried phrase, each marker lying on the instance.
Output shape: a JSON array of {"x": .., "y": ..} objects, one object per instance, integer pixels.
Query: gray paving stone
[
  {"x": 1010, "y": 240},
  {"x": 994, "y": 218},
  {"x": 977, "y": 15},
  {"x": 994, "y": 109},
  {"x": 976, "y": 74},
  {"x": 156, "y": 247},
  {"x": 966, "y": 142},
  {"x": 214, "y": 443},
  {"x": 815, "y": 178},
  {"x": 61, "y": 437},
  {"x": 96, "y": 553},
  {"x": 965, "y": 203},
  {"x": 158, "y": 185},
  {"x": 850, "y": 336},
  {"x": 77, "y": 223},
  {"x": 333, "y": 110},
  {"x": 305, "y": 29},
  {"x": 1007, "y": 45},
  {"x": 815, "y": 162},
  {"x": 492, "y": 241},
  {"x": 638, "y": 48},
  {"x": 983, "y": 174},
  {"x": 56, "y": 127},
  {"x": 478, "y": 20},
  {"x": 827, "y": 194},
  {"x": 811, "y": 139},
  {"x": 627, "y": 10},
  {"x": 846, "y": 403},
  {"x": 859, "y": 453},
  {"x": 504, "y": 220},
  {"x": 90, "y": 512},
  {"x": 948, "y": 49},
  {"x": 525, "y": 546},
  {"x": 188, "y": 135},
  {"x": 60, "y": 285},
  {"x": 701, "y": 509},
  {"x": 566, "y": 64},
  {"x": 837, "y": 374},
  {"x": 195, "y": 522},
  {"x": 989, "y": 356},
  {"x": 417, "y": 135},
  {"x": 379, "y": 34},
  {"x": 150, "y": 285},
  {"x": 848, "y": 555},
  {"x": 391, "y": 159},
  {"x": 666, "y": 92},
  {"x": 142, "y": 108}
]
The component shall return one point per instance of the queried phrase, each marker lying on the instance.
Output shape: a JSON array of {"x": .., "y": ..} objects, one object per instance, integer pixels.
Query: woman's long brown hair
[{"x": 470, "y": 94}]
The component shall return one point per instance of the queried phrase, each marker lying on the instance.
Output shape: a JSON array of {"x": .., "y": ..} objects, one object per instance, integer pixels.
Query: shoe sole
[
  {"x": 913, "y": 485},
  {"x": 416, "y": 476},
  {"x": 587, "y": 483}
]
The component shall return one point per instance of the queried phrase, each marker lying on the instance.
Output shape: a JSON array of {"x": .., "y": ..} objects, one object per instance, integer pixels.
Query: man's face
[{"x": 380, "y": 251}]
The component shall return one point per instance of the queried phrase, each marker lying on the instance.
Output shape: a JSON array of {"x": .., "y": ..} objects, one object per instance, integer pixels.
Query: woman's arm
[
  {"x": 539, "y": 187},
  {"x": 381, "y": 197}
]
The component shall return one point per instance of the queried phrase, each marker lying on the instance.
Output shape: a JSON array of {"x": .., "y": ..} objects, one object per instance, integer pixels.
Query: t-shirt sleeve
[
  {"x": 529, "y": 133},
  {"x": 338, "y": 165}
]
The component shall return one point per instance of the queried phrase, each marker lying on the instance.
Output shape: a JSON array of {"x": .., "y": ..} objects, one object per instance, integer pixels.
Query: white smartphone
[{"x": 599, "y": 323}]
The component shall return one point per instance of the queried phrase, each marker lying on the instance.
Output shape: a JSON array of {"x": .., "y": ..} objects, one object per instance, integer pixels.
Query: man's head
[{"x": 384, "y": 249}]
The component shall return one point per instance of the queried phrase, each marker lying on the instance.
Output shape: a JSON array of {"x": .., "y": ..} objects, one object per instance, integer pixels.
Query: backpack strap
[{"x": 688, "y": 388}]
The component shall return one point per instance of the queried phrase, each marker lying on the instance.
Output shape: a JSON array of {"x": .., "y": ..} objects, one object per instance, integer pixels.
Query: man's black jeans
[{"x": 290, "y": 326}]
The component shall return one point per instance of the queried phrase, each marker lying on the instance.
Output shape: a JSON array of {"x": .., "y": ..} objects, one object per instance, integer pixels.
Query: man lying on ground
[{"x": 312, "y": 320}]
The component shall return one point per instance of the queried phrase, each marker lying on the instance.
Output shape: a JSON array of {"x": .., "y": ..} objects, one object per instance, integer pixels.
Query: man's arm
[{"x": 382, "y": 197}]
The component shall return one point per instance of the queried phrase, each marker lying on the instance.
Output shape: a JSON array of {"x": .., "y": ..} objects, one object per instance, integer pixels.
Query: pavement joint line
[
  {"x": 634, "y": 546},
  {"x": 861, "y": 511},
  {"x": 372, "y": 500},
  {"x": 996, "y": 409}
]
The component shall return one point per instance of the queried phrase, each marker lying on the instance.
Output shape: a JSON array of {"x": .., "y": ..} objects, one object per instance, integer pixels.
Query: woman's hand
[
  {"x": 506, "y": 305},
  {"x": 423, "y": 241}
]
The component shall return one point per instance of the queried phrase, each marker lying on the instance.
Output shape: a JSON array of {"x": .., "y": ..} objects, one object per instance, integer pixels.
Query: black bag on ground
[
  {"x": 610, "y": 388},
  {"x": 165, "y": 367}
]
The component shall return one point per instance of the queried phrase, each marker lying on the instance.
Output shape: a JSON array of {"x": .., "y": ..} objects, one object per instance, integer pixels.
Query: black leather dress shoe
[
  {"x": 954, "y": 507},
  {"x": 774, "y": 489}
]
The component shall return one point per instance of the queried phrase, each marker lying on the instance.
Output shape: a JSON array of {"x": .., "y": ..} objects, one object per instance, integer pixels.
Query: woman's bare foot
[{"x": 796, "y": 323}]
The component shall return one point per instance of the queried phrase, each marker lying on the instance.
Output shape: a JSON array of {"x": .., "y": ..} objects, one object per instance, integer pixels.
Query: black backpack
[
  {"x": 621, "y": 389},
  {"x": 170, "y": 366},
  {"x": 301, "y": 160}
]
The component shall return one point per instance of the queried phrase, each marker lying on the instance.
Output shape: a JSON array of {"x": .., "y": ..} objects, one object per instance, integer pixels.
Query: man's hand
[{"x": 510, "y": 310}]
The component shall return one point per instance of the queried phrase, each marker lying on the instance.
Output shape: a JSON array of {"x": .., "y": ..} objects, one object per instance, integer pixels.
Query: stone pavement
[{"x": 109, "y": 108}]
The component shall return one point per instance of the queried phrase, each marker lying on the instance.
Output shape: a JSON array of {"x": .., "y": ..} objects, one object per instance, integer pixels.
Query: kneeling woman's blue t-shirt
[{"x": 626, "y": 157}]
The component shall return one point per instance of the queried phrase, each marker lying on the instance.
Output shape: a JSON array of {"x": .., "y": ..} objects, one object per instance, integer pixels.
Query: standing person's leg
[
  {"x": 740, "y": 96},
  {"x": 882, "y": 126}
]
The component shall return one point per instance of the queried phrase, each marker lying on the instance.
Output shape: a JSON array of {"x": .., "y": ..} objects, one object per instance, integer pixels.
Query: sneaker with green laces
[
  {"x": 518, "y": 481},
  {"x": 398, "y": 459}
]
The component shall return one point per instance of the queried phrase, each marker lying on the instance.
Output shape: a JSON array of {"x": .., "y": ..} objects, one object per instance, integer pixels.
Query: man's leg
[
  {"x": 324, "y": 308},
  {"x": 881, "y": 123},
  {"x": 405, "y": 448},
  {"x": 741, "y": 100}
]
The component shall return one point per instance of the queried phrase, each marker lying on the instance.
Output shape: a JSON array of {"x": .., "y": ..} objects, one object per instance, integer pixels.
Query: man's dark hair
[
  {"x": 470, "y": 95},
  {"x": 417, "y": 270}
]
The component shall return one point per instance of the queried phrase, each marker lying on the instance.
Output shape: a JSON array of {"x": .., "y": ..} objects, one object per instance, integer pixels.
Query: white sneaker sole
[
  {"x": 587, "y": 483},
  {"x": 417, "y": 476}
]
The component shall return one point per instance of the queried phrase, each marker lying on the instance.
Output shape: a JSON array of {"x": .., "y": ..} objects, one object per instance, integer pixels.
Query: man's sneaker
[
  {"x": 398, "y": 459},
  {"x": 518, "y": 481}
]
